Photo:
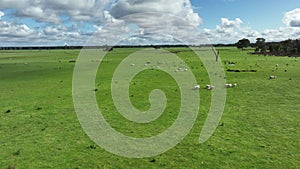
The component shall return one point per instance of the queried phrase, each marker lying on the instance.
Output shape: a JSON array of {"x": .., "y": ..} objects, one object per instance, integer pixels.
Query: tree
[
  {"x": 108, "y": 48},
  {"x": 297, "y": 43},
  {"x": 284, "y": 48},
  {"x": 261, "y": 45},
  {"x": 243, "y": 43}
]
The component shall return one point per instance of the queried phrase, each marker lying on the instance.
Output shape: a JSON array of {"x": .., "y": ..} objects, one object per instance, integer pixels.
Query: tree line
[
  {"x": 284, "y": 48},
  {"x": 105, "y": 47}
]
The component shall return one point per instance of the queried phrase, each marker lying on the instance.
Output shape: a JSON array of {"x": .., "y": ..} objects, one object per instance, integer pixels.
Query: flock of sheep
[
  {"x": 228, "y": 85},
  {"x": 208, "y": 87},
  {"x": 196, "y": 87},
  {"x": 211, "y": 87}
]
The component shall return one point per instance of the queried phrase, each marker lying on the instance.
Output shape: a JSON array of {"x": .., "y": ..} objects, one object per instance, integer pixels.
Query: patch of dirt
[{"x": 240, "y": 70}]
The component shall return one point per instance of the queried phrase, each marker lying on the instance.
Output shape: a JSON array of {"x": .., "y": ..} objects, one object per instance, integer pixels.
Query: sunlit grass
[{"x": 39, "y": 127}]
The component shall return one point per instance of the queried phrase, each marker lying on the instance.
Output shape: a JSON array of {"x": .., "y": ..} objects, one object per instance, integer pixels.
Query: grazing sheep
[
  {"x": 273, "y": 77},
  {"x": 132, "y": 64},
  {"x": 196, "y": 87},
  {"x": 210, "y": 87},
  {"x": 228, "y": 85}
]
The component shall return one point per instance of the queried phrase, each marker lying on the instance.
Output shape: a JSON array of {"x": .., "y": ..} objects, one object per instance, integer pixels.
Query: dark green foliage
[
  {"x": 284, "y": 48},
  {"x": 243, "y": 43}
]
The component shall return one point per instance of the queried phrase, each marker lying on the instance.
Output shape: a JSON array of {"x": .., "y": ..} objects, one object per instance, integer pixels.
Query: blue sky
[
  {"x": 73, "y": 22},
  {"x": 259, "y": 14}
]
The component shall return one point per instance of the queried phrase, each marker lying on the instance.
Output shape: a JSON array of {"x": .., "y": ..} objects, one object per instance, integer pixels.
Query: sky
[{"x": 138, "y": 22}]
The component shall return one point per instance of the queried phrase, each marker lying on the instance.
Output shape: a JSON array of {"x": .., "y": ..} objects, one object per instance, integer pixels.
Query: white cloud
[
  {"x": 15, "y": 34},
  {"x": 15, "y": 30},
  {"x": 54, "y": 10},
  {"x": 39, "y": 14},
  {"x": 292, "y": 18},
  {"x": 226, "y": 23},
  {"x": 164, "y": 20},
  {"x": 151, "y": 21},
  {"x": 148, "y": 28},
  {"x": 230, "y": 31},
  {"x": 127, "y": 21},
  {"x": 180, "y": 8},
  {"x": 54, "y": 30},
  {"x": 13, "y": 3},
  {"x": 1, "y": 14},
  {"x": 280, "y": 34},
  {"x": 253, "y": 34}
]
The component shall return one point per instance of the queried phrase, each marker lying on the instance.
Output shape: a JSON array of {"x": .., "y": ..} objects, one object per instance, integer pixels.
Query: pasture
[{"x": 39, "y": 127}]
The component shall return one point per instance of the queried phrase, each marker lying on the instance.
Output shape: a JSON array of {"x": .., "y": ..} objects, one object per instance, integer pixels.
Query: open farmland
[{"x": 39, "y": 127}]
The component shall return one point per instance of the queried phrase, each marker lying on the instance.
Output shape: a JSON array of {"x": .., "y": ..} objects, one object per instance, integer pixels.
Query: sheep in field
[
  {"x": 196, "y": 87},
  {"x": 229, "y": 85},
  {"x": 210, "y": 87}
]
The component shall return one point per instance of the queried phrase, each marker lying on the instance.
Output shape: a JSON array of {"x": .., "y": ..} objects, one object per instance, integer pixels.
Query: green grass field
[{"x": 39, "y": 126}]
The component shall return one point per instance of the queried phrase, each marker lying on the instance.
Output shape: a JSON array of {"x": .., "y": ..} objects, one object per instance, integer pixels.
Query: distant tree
[
  {"x": 271, "y": 47},
  {"x": 261, "y": 45},
  {"x": 297, "y": 44},
  {"x": 284, "y": 48},
  {"x": 243, "y": 43},
  {"x": 287, "y": 46},
  {"x": 108, "y": 48}
]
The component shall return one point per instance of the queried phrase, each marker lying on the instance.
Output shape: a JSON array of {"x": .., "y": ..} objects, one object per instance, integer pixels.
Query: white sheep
[
  {"x": 273, "y": 77},
  {"x": 228, "y": 85},
  {"x": 132, "y": 64},
  {"x": 196, "y": 87},
  {"x": 210, "y": 87}
]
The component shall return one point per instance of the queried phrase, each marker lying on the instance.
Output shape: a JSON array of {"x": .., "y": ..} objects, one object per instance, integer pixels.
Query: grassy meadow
[{"x": 39, "y": 126}]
